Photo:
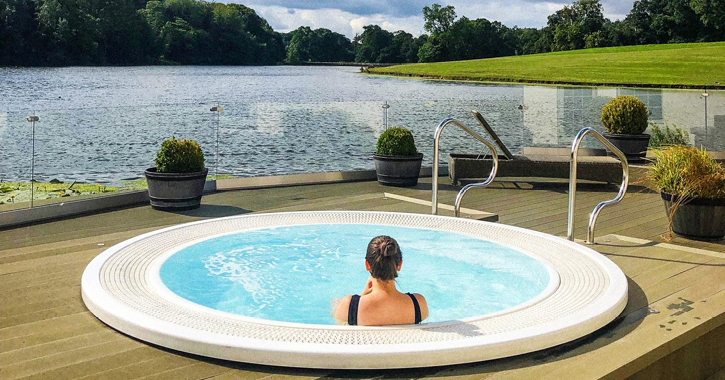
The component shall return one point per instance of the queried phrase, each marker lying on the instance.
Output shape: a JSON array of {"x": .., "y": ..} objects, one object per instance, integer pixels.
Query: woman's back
[
  {"x": 380, "y": 303},
  {"x": 390, "y": 309}
]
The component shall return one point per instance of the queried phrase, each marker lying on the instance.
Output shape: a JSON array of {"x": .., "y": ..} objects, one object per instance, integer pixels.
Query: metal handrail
[
  {"x": 572, "y": 182},
  {"x": 459, "y": 197}
]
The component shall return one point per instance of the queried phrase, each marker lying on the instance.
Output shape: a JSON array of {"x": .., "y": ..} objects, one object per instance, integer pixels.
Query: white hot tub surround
[{"x": 122, "y": 288}]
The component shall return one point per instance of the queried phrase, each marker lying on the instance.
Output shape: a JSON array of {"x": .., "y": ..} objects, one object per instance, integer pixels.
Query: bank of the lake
[{"x": 694, "y": 65}]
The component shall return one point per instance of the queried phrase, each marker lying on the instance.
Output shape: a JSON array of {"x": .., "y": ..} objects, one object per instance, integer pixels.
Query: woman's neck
[{"x": 385, "y": 286}]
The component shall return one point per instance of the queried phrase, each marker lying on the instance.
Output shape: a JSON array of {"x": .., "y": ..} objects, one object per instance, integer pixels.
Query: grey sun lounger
[{"x": 593, "y": 164}]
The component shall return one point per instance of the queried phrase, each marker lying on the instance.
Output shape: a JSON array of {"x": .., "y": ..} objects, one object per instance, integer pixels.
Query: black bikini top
[{"x": 355, "y": 302}]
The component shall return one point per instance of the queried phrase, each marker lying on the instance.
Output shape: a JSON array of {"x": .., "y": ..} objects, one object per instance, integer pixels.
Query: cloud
[
  {"x": 394, "y": 8},
  {"x": 349, "y": 24},
  {"x": 617, "y": 9},
  {"x": 519, "y": 13},
  {"x": 348, "y": 17},
  {"x": 613, "y": 9}
]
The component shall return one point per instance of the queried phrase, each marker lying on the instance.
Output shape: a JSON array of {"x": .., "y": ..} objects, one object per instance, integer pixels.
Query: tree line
[{"x": 142, "y": 32}]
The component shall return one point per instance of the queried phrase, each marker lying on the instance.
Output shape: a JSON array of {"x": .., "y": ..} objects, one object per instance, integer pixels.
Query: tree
[
  {"x": 198, "y": 14},
  {"x": 430, "y": 52},
  {"x": 404, "y": 47},
  {"x": 185, "y": 44},
  {"x": 21, "y": 43},
  {"x": 267, "y": 44},
  {"x": 72, "y": 31},
  {"x": 124, "y": 36},
  {"x": 196, "y": 32},
  {"x": 527, "y": 39},
  {"x": 473, "y": 39},
  {"x": 372, "y": 45},
  {"x": 154, "y": 15},
  {"x": 438, "y": 19},
  {"x": 572, "y": 25},
  {"x": 711, "y": 12},
  {"x": 463, "y": 38},
  {"x": 319, "y": 45},
  {"x": 666, "y": 21},
  {"x": 300, "y": 43},
  {"x": 545, "y": 43},
  {"x": 232, "y": 44},
  {"x": 619, "y": 33}
]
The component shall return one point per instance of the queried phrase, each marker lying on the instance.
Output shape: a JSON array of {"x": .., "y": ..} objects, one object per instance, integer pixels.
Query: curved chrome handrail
[
  {"x": 572, "y": 182},
  {"x": 459, "y": 197}
]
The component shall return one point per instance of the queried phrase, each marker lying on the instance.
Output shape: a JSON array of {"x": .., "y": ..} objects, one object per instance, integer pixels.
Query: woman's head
[{"x": 384, "y": 257}]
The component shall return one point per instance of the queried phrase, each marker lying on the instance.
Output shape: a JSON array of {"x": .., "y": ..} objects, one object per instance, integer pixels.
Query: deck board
[{"x": 46, "y": 331}]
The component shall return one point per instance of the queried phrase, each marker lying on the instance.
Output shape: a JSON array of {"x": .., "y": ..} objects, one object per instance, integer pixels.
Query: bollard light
[
  {"x": 217, "y": 109},
  {"x": 704, "y": 95},
  {"x": 522, "y": 108},
  {"x": 33, "y": 119},
  {"x": 385, "y": 114}
]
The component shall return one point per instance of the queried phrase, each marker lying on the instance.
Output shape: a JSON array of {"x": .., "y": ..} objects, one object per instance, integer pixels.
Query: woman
[{"x": 380, "y": 303}]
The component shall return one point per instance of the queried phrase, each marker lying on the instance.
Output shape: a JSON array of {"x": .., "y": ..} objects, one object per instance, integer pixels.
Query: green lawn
[{"x": 695, "y": 65}]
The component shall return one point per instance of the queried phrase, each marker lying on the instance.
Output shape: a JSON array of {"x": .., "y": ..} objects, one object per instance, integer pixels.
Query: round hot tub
[{"x": 258, "y": 289}]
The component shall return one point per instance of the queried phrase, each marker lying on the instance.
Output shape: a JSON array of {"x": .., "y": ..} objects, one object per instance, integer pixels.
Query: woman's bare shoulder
[
  {"x": 423, "y": 305},
  {"x": 340, "y": 307}
]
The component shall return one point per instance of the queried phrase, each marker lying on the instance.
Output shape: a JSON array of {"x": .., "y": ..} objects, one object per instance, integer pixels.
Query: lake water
[{"x": 104, "y": 124}]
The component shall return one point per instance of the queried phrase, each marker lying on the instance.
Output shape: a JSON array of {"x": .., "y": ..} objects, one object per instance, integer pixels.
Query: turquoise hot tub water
[{"x": 293, "y": 274}]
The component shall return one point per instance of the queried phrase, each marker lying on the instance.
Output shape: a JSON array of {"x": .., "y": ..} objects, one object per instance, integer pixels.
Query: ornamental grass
[{"x": 687, "y": 172}]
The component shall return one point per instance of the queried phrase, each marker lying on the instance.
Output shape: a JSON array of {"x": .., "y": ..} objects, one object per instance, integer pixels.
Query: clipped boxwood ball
[
  {"x": 179, "y": 156},
  {"x": 396, "y": 141},
  {"x": 626, "y": 115}
]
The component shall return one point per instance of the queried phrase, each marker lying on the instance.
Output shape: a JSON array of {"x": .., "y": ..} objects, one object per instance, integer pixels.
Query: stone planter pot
[
  {"x": 634, "y": 147},
  {"x": 697, "y": 218},
  {"x": 399, "y": 171},
  {"x": 175, "y": 191}
]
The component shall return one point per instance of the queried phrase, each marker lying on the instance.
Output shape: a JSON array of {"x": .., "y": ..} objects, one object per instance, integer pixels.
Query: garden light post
[
  {"x": 522, "y": 108},
  {"x": 32, "y": 119},
  {"x": 385, "y": 114},
  {"x": 217, "y": 109},
  {"x": 704, "y": 95}
]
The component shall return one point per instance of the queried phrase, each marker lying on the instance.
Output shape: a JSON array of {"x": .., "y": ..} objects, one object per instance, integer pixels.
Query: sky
[{"x": 349, "y": 16}]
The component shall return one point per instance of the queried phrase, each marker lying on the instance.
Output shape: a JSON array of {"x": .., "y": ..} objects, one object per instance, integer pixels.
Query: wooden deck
[{"x": 672, "y": 328}]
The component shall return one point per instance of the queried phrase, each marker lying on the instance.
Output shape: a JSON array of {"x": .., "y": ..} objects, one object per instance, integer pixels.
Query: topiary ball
[
  {"x": 396, "y": 141},
  {"x": 179, "y": 156},
  {"x": 625, "y": 115}
]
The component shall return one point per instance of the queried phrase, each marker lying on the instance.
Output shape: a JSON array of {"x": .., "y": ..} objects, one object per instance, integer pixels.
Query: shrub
[
  {"x": 665, "y": 136},
  {"x": 396, "y": 141},
  {"x": 625, "y": 114},
  {"x": 179, "y": 156},
  {"x": 687, "y": 172}
]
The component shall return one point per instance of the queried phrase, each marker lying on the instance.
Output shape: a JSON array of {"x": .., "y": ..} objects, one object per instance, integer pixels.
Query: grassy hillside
[{"x": 675, "y": 65}]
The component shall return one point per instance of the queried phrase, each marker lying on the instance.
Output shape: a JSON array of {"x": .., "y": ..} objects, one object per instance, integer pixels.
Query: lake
[{"x": 104, "y": 124}]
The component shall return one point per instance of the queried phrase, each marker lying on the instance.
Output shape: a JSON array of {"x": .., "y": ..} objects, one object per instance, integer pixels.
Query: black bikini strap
[
  {"x": 352, "y": 310},
  {"x": 417, "y": 308}
]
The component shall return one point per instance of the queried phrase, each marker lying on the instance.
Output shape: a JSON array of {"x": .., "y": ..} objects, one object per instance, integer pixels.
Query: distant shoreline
[
  {"x": 504, "y": 81},
  {"x": 677, "y": 66}
]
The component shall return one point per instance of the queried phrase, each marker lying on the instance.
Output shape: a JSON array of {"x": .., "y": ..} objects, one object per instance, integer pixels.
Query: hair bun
[{"x": 385, "y": 248}]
